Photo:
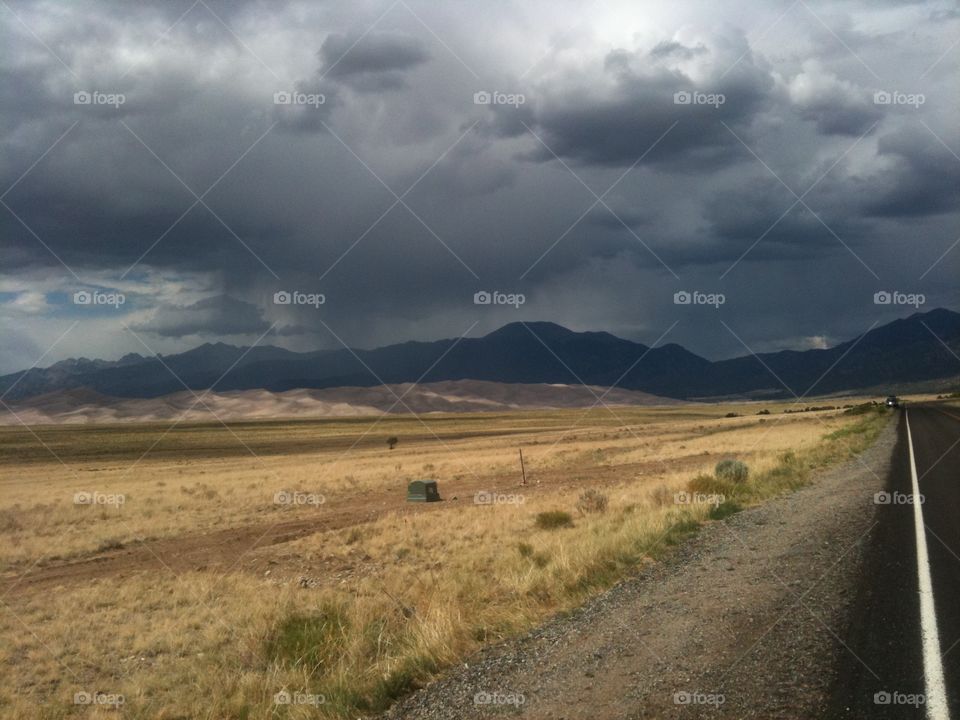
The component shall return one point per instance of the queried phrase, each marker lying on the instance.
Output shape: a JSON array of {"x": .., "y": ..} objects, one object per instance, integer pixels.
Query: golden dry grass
[{"x": 419, "y": 592}]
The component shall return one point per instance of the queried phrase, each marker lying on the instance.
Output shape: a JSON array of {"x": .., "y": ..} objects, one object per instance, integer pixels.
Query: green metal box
[{"x": 423, "y": 491}]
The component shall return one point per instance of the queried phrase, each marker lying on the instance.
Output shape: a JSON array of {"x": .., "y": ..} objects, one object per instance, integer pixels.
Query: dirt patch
[{"x": 232, "y": 550}]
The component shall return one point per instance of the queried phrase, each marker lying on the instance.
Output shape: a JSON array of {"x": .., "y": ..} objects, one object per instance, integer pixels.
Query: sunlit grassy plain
[{"x": 423, "y": 589}]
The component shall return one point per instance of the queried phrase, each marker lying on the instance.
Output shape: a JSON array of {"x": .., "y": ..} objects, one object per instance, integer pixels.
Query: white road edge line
[{"x": 936, "y": 695}]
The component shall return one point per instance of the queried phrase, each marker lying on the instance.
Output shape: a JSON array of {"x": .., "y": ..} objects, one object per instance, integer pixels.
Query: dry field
[{"x": 196, "y": 571}]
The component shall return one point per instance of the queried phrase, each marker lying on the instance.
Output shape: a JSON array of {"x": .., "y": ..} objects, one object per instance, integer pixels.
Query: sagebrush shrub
[
  {"x": 592, "y": 501},
  {"x": 731, "y": 471}
]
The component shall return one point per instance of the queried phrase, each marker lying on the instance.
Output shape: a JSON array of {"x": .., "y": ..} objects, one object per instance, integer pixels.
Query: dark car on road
[{"x": 892, "y": 402}]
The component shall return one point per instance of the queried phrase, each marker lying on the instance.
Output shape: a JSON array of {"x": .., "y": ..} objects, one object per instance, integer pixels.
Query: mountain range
[{"x": 920, "y": 348}]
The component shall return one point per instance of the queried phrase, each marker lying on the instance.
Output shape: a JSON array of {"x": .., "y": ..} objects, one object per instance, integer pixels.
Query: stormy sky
[{"x": 308, "y": 174}]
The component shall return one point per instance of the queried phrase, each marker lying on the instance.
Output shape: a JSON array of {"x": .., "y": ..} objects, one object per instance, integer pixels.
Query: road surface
[{"x": 903, "y": 646}]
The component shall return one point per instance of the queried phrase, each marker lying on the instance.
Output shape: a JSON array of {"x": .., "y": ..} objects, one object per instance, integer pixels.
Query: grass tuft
[
  {"x": 309, "y": 641},
  {"x": 554, "y": 520},
  {"x": 725, "y": 510}
]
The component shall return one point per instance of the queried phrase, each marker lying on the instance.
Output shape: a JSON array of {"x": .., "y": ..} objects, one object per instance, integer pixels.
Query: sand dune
[{"x": 86, "y": 406}]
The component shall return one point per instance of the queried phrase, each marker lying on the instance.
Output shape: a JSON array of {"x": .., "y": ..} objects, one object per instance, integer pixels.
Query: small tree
[{"x": 392, "y": 441}]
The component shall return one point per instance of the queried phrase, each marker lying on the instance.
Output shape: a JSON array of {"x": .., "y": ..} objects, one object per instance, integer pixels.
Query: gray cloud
[
  {"x": 837, "y": 107},
  {"x": 297, "y": 194},
  {"x": 615, "y": 114},
  {"x": 221, "y": 315},
  {"x": 923, "y": 178},
  {"x": 371, "y": 62}
]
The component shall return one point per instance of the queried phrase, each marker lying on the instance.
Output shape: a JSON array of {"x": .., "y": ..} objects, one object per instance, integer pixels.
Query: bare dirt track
[
  {"x": 231, "y": 549},
  {"x": 745, "y": 621}
]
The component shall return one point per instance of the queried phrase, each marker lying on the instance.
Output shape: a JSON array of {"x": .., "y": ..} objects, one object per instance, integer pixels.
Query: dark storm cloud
[
  {"x": 839, "y": 114},
  {"x": 631, "y": 218},
  {"x": 220, "y": 315},
  {"x": 297, "y": 191},
  {"x": 762, "y": 210},
  {"x": 923, "y": 179},
  {"x": 374, "y": 61},
  {"x": 638, "y": 96}
]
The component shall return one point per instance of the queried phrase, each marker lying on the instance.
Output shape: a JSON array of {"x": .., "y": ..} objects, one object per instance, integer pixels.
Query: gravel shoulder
[{"x": 745, "y": 620}]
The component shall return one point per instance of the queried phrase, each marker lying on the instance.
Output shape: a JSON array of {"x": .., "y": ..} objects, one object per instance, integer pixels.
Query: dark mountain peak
[
  {"x": 211, "y": 350},
  {"x": 938, "y": 317},
  {"x": 72, "y": 362},
  {"x": 552, "y": 334},
  {"x": 936, "y": 313},
  {"x": 216, "y": 346},
  {"x": 546, "y": 331},
  {"x": 919, "y": 326}
]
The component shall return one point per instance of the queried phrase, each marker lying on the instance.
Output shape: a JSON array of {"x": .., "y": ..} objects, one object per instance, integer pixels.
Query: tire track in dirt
[{"x": 229, "y": 549}]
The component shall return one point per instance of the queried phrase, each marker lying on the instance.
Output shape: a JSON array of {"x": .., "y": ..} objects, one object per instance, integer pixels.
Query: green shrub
[
  {"x": 553, "y": 519},
  {"x": 525, "y": 549},
  {"x": 731, "y": 471}
]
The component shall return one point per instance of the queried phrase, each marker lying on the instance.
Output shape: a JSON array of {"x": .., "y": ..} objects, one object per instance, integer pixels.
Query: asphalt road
[{"x": 901, "y": 655}]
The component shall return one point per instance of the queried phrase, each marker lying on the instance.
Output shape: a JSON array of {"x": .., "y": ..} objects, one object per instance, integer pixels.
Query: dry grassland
[{"x": 371, "y": 596}]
